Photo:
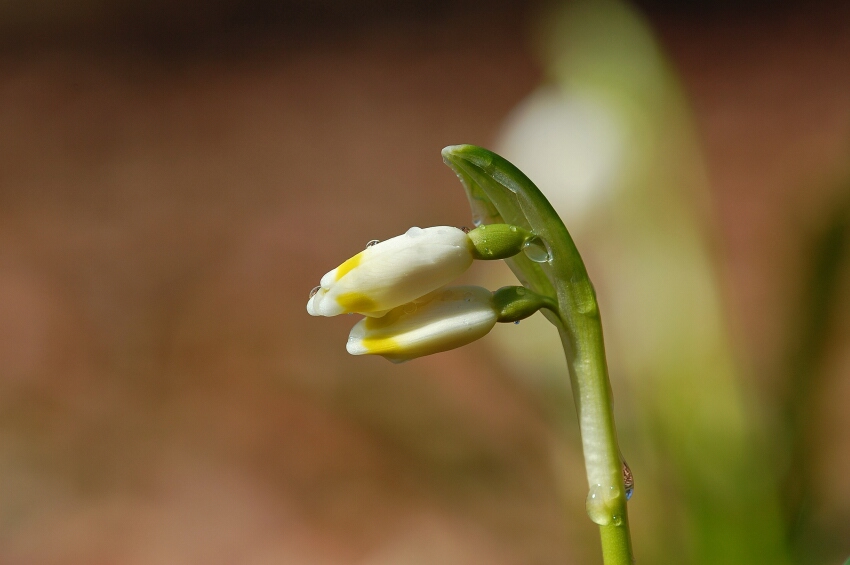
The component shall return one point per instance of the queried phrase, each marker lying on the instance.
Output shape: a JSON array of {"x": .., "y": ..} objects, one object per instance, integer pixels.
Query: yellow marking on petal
[
  {"x": 356, "y": 301},
  {"x": 380, "y": 345},
  {"x": 346, "y": 267}
]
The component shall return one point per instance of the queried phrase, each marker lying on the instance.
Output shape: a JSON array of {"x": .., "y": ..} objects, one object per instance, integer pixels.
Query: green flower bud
[
  {"x": 498, "y": 241},
  {"x": 514, "y": 303}
]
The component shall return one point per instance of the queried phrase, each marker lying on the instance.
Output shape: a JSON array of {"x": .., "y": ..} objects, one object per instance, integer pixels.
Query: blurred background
[{"x": 176, "y": 176}]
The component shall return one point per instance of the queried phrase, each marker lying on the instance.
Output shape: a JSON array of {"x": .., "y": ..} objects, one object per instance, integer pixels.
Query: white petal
[
  {"x": 451, "y": 318},
  {"x": 311, "y": 306},
  {"x": 397, "y": 271},
  {"x": 323, "y": 306}
]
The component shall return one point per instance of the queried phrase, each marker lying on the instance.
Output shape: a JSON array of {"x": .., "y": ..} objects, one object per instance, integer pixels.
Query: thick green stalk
[
  {"x": 592, "y": 394},
  {"x": 499, "y": 193},
  {"x": 580, "y": 328}
]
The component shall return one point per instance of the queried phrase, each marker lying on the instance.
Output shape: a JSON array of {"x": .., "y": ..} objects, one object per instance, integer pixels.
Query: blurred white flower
[
  {"x": 572, "y": 144},
  {"x": 393, "y": 272},
  {"x": 443, "y": 320}
]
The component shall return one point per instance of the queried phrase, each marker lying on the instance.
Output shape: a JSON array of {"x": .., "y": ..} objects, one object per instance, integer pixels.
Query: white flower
[
  {"x": 443, "y": 320},
  {"x": 393, "y": 272}
]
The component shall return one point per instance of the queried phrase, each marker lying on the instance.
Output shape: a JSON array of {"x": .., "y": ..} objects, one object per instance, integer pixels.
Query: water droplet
[
  {"x": 477, "y": 219},
  {"x": 597, "y": 507},
  {"x": 603, "y": 505},
  {"x": 414, "y": 232},
  {"x": 513, "y": 228},
  {"x": 516, "y": 323},
  {"x": 372, "y": 242},
  {"x": 536, "y": 250},
  {"x": 315, "y": 291},
  {"x": 520, "y": 291},
  {"x": 617, "y": 520},
  {"x": 628, "y": 480}
]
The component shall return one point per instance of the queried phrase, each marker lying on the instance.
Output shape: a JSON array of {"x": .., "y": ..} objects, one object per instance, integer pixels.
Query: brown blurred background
[{"x": 176, "y": 176}]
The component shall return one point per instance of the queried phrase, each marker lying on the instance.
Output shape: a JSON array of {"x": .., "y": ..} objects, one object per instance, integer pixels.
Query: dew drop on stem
[
  {"x": 617, "y": 520},
  {"x": 597, "y": 506}
]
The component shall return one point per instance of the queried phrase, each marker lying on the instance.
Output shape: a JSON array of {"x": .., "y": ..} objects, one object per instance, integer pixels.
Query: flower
[
  {"x": 393, "y": 272},
  {"x": 442, "y": 320}
]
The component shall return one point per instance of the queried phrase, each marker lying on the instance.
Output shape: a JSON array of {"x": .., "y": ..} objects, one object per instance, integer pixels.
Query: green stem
[
  {"x": 580, "y": 327},
  {"x": 617, "y": 543},
  {"x": 592, "y": 394},
  {"x": 499, "y": 193}
]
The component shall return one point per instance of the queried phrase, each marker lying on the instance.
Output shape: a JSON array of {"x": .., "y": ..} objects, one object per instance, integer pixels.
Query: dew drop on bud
[
  {"x": 516, "y": 323},
  {"x": 315, "y": 291},
  {"x": 372, "y": 242},
  {"x": 414, "y": 232}
]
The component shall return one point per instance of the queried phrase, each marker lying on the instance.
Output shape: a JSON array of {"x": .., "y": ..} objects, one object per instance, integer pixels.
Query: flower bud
[
  {"x": 498, "y": 241},
  {"x": 515, "y": 303},
  {"x": 393, "y": 272},
  {"x": 443, "y": 320}
]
